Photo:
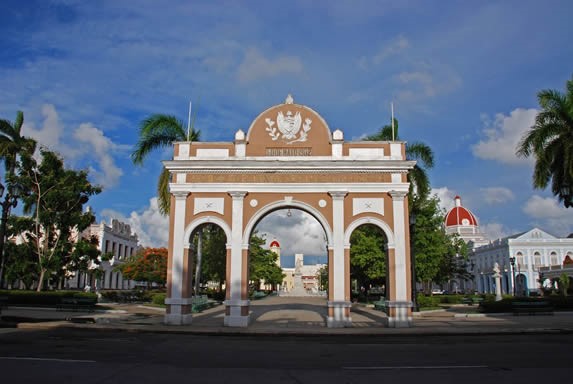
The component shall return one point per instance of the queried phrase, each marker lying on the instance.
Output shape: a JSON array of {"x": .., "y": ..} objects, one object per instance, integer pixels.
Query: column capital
[
  {"x": 338, "y": 195},
  {"x": 237, "y": 195},
  {"x": 180, "y": 195},
  {"x": 398, "y": 195}
]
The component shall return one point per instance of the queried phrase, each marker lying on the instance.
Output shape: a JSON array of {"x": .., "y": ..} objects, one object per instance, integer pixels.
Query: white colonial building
[
  {"x": 116, "y": 241},
  {"x": 520, "y": 258}
]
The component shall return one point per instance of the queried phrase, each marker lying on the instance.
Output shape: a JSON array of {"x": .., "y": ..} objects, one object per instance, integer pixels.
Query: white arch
[
  {"x": 204, "y": 220},
  {"x": 283, "y": 204},
  {"x": 370, "y": 220}
]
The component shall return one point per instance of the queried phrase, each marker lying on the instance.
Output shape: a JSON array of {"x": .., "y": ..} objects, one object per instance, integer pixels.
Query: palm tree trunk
[{"x": 41, "y": 280}]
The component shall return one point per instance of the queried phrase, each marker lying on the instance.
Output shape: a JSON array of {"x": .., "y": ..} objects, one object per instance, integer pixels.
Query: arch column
[
  {"x": 338, "y": 302},
  {"x": 179, "y": 300},
  {"x": 399, "y": 303},
  {"x": 237, "y": 303}
]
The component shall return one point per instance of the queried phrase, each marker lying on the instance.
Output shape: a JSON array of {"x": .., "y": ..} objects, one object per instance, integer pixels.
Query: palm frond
[
  {"x": 163, "y": 194},
  {"x": 420, "y": 152}
]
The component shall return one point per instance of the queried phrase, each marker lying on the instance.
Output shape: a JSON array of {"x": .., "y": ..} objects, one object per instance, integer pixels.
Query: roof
[
  {"x": 460, "y": 215},
  {"x": 275, "y": 243}
]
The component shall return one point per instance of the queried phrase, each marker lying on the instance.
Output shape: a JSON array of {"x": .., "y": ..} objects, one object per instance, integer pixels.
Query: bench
[
  {"x": 472, "y": 300},
  {"x": 76, "y": 304},
  {"x": 380, "y": 305},
  {"x": 531, "y": 307},
  {"x": 201, "y": 303}
]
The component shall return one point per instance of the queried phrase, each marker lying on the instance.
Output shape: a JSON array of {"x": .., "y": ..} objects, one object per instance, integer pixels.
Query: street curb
[{"x": 338, "y": 332}]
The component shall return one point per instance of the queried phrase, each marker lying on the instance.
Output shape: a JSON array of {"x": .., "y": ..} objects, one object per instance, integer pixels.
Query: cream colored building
[{"x": 289, "y": 158}]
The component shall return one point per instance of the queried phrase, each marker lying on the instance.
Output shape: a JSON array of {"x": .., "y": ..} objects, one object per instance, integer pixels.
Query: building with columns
[
  {"x": 117, "y": 239},
  {"x": 532, "y": 252},
  {"x": 289, "y": 158}
]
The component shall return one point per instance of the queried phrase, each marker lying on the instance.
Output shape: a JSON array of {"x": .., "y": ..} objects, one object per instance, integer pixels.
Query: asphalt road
[{"x": 85, "y": 357}]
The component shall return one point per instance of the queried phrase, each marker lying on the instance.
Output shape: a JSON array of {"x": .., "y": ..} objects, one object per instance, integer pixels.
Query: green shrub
[
  {"x": 427, "y": 301},
  {"x": 158, "y": 298},
  {"x": 451, "y": 299}
]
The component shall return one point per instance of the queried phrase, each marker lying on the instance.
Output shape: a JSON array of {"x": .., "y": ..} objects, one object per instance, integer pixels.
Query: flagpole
[
  {"x": 189, "y": 122},
  {"x": 392, "y": 108}
]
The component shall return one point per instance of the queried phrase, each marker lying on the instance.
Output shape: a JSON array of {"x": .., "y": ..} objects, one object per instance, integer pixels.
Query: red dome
[
  {"x": 460, "y": 215},
  {"x": 275, "y": 243}
]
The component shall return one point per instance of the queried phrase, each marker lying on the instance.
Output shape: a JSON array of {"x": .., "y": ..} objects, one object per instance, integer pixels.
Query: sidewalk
[{"x": 289, "y": 316}]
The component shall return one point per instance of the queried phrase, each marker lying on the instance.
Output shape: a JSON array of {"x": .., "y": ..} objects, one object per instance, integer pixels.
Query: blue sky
[{"x": 463, "y": 77}]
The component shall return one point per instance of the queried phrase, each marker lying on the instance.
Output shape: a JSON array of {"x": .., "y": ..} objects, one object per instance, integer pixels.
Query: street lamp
[
  {"x": 415, "y": 307},
  {"x": 512, "y": 262}
]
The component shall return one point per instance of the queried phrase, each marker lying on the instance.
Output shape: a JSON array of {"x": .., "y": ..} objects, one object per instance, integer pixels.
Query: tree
[
  {"x": 423, "y": 154},
  {"x": 148, "y": 265},
  {"x": 433, "y": 248},
  {"x": 263, "y": 264},
  {"x": 214, "y": 255},
  {"x": 564, "y": 283},
  {"x": 367, "y": 255},
  {"x": 160, "y": 131},
  {"x": 54, "y": 200},
  {"x": 550, "y": 142},
  {"x": 12, "y": 145}
]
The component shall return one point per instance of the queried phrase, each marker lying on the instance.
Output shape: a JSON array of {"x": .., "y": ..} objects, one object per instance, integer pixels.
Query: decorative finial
[{"x": 289, "y": 99}]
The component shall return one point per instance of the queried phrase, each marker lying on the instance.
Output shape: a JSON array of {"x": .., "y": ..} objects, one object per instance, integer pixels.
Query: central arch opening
[{"x": 298, "y": 244}]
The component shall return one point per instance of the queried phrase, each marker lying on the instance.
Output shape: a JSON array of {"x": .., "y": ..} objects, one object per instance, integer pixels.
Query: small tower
[{"x": 276, "y": 248}]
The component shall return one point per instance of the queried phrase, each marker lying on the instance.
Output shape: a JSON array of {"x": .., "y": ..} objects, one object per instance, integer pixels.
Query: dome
[
  {"x": 460, "y": 216},
  {"x": 275, "y": 244}
]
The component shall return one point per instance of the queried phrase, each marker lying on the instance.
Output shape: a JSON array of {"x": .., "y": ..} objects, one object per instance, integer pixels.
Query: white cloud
[
  {"x": 256, "y": 66},
  {"x": 389, "y": 49},
  {"x": 497, "y": 195},
  {"x": 427, "y": 82},
  {"x": 549, "y": 215},
  {"x": 494, "y": 231},
  {"x": 299, "y": 233},
  {"x": 102, "y": 147},
  {"x": 83, "y": 144},
  {"x": 446, "y": 197},
  {"x": 151, "y": 227},
  {"x": 503, "y": 135}
]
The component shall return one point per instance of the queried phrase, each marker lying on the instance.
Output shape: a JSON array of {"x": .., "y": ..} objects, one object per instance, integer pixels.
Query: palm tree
[
  {"x": 424, "y": 156},
  {"x": 159, "y": 131},
  {"x": 12, "y": 146},
  {"x": 550, "y": 142}
]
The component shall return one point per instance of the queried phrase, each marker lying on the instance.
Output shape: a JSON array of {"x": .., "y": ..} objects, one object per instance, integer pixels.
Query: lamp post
[
  {"x": 415, "y": 307},
  {"x": 512, "y": 262}
]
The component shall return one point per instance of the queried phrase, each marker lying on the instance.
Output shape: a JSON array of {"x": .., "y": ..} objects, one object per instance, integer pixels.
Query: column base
[
  {"x": 339, "y": 314},
  {"x": 237, "y": 313},
  {"x": 399, "y": 314},
  {"x": 177, "y": 319}
]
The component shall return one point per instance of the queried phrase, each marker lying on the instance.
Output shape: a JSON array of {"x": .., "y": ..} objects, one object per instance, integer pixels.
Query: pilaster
[
  {"x": 338, "y": 305},
  {"x": 178, "y": 307},
  {"x": 237, "y": 304}
]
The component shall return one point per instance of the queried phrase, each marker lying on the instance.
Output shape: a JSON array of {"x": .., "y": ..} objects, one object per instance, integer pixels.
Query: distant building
[
  {"x": 461, "y": 221},
  {"x": 118, "y": 241},
  {"x": 534, "y": 252}
]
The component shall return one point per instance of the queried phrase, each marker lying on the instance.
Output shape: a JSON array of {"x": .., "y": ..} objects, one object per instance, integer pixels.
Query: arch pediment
[{"x": 289, "y": 129}]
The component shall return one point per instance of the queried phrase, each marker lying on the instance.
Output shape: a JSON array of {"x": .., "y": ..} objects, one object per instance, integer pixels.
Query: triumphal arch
[{"x": 289, "y": 158}]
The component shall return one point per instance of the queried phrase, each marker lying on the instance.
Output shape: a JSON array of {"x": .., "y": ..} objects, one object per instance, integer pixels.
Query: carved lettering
[{"x": 289, "y": 151}]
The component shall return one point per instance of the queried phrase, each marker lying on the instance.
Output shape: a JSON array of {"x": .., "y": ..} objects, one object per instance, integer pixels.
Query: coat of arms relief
[{"x": 288, "y": 126}]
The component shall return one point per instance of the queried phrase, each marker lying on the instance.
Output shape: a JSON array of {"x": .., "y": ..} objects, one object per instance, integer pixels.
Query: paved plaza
[{"x": 290, "y": 316}]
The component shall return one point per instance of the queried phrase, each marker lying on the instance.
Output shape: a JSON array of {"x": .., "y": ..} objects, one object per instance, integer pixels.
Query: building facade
[
  {"x": 531, "y": 253},
  {"x": 117, "y": 242}
]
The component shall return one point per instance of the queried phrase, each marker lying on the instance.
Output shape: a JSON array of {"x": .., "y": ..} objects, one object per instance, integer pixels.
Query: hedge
[{"x": 45, "y": 298}]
